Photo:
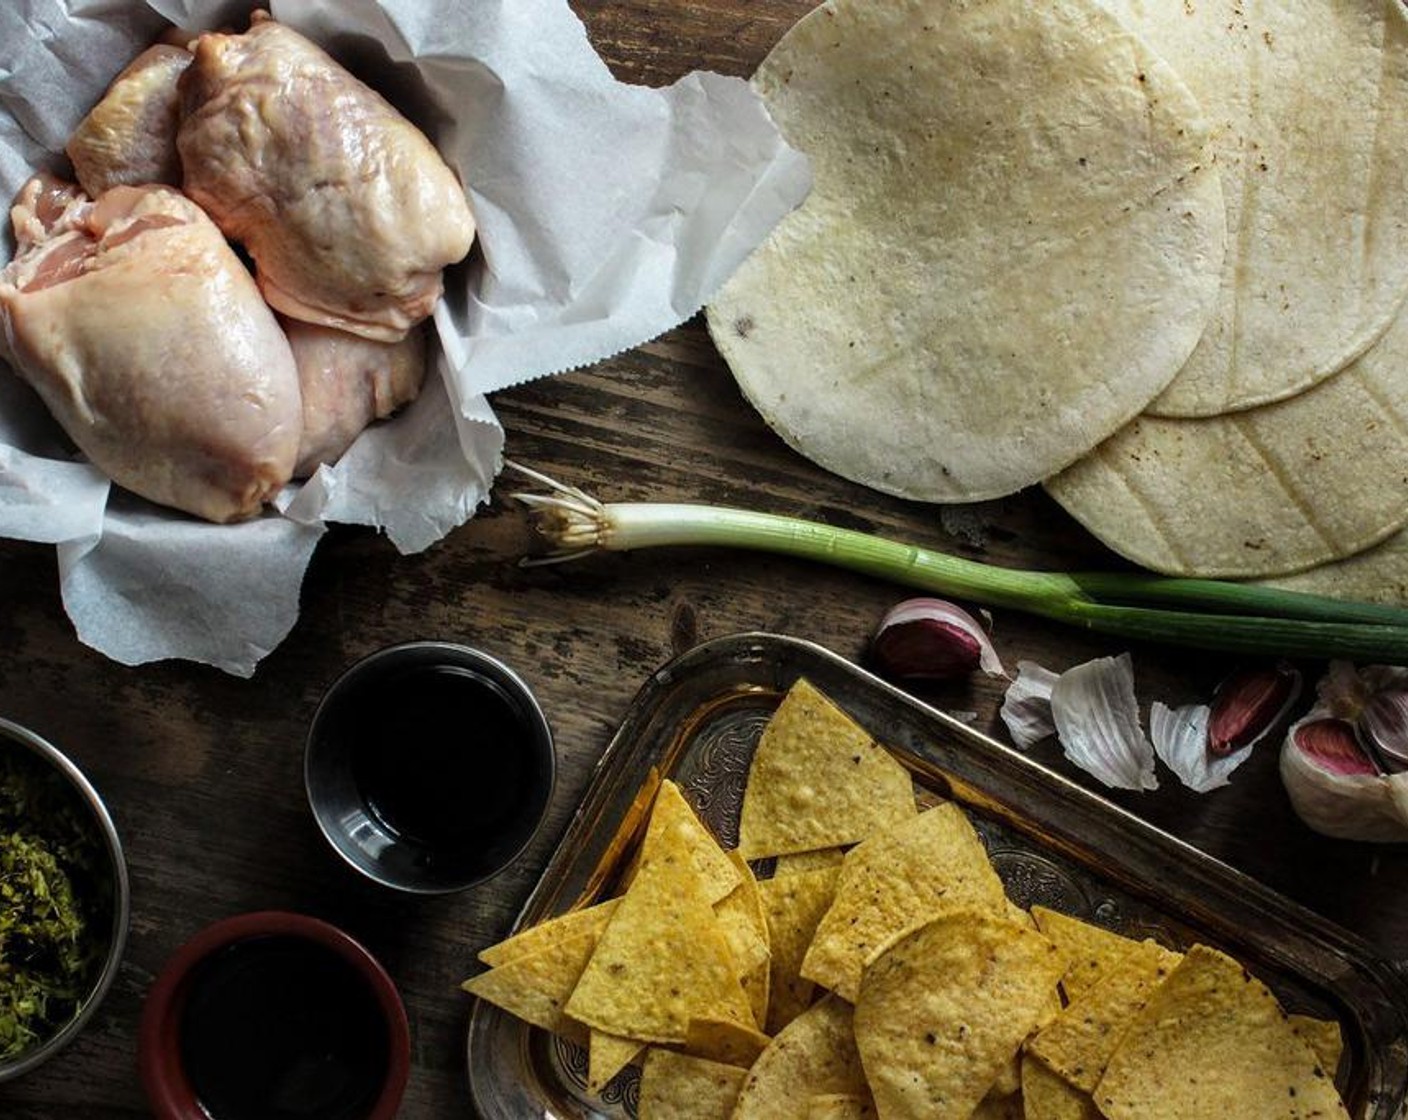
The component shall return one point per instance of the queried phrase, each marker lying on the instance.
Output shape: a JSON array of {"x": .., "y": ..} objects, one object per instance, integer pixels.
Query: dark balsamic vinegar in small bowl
[
  {"x": 429, "y": 766},
  {"x": 273, "y": 1016}
]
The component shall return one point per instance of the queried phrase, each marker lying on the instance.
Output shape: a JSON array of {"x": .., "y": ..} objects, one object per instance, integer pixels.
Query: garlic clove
[
  {"x": 1248, "y": 704},
  {"x": 1181, "y": 740},
  {"x": 931, "y": 639},
  {"x": 1026, "y": 708},
  {"x": 1097, "y": 720},
  {"x": 1384, "y": 724},
  {"x": 1335, "y": 787}
]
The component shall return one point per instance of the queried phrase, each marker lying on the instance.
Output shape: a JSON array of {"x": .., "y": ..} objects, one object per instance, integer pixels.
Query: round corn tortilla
[
  {"x": 1376, "y": 575},
  {"x": 1263, "y": 492},
  {"x": 1309, "y": 105},
  {"x": 1012, "y": 244}
]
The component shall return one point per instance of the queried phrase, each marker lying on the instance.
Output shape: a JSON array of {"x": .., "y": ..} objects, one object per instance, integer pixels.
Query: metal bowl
[
  {"x": 471, "y": 758},
  {"x": 117, "y": 889}
]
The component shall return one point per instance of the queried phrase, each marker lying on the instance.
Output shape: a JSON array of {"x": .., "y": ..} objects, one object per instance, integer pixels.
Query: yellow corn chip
[
  {"x": 943, "y": 1008},
  {"x": 1324, "y": 1036},
  {"x": 591, "y": 919},
  {"x": 840, "y": 1106},
  {"x": 1080, "y": 1040},
  {"x": 790, "y": 863},
  {"x": 675, "y": 827},
  {"x": 678, "y": 1087},
  {"x": 662, "y": 958},
  {"x": 536, "y": 986},
  {"x": 818, "y": 780},
  {"x": 1000, "y": 1106},
  {"x": 1212, "y": 1042},
  {"x": 815, "y": 1053},
  {"x": 720, "y": 1040},
  {"x": 746, "y": 928},
  {"x": 608, "y": 1055},
  {"x": 1049, "y": 1096},
  {"x": 1090, "y": 949},
  {"x": 900, "y": 878},
  {"x": 794, "y": 905}
]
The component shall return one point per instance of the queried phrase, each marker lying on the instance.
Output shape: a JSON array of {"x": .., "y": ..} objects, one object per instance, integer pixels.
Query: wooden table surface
[{"x": 203, "y": 771}]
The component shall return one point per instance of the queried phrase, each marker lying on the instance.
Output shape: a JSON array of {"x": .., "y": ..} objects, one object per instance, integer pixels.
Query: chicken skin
[
  {"x": 129, "y": 137},
  {"x": 347, "y": 382},
  {"x": 147, "y": 339},
  {"x": 348, "y": 210}
]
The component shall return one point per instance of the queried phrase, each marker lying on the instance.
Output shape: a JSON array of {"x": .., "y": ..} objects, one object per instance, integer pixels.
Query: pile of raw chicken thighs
[{"x": 185, "y": 378}]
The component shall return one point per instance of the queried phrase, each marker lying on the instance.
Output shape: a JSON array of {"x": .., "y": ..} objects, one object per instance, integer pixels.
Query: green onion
[{"x": 1202, "y": 614}]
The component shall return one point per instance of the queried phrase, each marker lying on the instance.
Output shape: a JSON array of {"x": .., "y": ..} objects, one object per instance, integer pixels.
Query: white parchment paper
[{"x": 607, "y": 214}]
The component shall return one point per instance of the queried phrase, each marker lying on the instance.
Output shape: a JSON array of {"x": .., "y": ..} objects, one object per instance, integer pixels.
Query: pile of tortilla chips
[{"x": 881, "y": 971}]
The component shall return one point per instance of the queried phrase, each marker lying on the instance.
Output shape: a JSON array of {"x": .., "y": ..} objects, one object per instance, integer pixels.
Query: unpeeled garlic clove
[
  {"x": 1384, "y": 724},
  {"x": 1248, "y": 704},
  {"x": 1336, "y": 788},
  {"x": 931, "y": 639}
]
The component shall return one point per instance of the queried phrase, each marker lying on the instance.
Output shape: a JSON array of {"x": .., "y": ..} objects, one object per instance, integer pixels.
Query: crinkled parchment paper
[{"x": 607, "y": 213}]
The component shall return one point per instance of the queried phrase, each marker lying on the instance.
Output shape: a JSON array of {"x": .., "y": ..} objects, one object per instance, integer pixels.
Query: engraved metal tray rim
[{"x": 1079, "y": 825}]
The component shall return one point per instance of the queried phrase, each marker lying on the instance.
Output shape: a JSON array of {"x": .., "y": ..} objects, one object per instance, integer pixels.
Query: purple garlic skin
[{"x": 1248, "y": 704}]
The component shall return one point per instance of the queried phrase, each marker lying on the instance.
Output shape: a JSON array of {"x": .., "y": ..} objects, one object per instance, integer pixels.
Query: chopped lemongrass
[{"x": 1202, "y": 614}]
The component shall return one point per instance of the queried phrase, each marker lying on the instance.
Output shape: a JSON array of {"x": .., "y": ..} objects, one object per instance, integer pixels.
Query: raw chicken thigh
[
  {"x": 348, "y": 210},
  {"x": 129, "y": 138},
  {"x": 346, "y": 383},
  {"x": 147, "y": 339}
]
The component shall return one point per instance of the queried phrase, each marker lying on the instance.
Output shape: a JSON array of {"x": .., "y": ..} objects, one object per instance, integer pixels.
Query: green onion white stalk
[{"x": 1202, "y": 614}]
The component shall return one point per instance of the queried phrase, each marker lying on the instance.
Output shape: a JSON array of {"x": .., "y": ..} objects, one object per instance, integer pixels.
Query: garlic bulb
[{"x": 1336, "y": 787}]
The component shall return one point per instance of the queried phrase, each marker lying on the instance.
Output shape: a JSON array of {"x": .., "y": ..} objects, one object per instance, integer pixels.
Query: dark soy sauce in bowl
[
  {"x": 429, "y": 766},
  {"x": 282, "y": 1028}
]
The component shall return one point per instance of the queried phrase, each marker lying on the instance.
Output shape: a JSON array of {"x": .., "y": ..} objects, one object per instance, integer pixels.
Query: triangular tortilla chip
[
  {"x": 840, "y": 1106},
  {"x": 674, "y": 826},
  {"x": 815, "y": 1053},
  {"x": 925, "y": 866},
  {"x": 818, "y": 780},
  {"x": 745, "y": 927},
  {"x": 943, "y": 1008},
  {"x": 1212, "y": 1041},
  {"x": 1080, "y": 1040},
  {"x": 661, "y": 960},
  {"x": 1324, "y": 1036},
  {"x": 1090, "y": 950},
  {"x": 789, "y": 863},
  {"x": 794, "y": 905},
  {"x": 1049, "y": 1096},
  {"x": 591, "y": 919},
  {"x": 536, "y": 986},
  {"x": 608, "y": 1055},
  {"x": 720, "y": 1040},
  {"x": 1000, "y": 1106},
  {"x": 679, "y": 1087}
]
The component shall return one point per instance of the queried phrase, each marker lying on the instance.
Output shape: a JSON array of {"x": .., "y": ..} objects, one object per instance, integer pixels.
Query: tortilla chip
[
  {"x": 720, "y": 1040},
  {"x": 608, "y": 1055},
  {"x": 815, "y": 1053},
  {"x": 1000, "y": 1106},
  {"x": 1324, "y": 1036},
  {"x": 818, "y": 780},
  {"x": 840, "y": 1106},
  {"x": 925, "y": 866},
  {"x": 1079, "y": 1042},
  {"x": 794, "y": 905},
  {"x": 1049, "y": 1096},
  {"x": 1090, "y": 950},
  {"x": 745, "y": 926},
  {"x": 943, "y": 1008},
  {"x": 661, "y": 960},
  {"x": 1212, "y": 1041},
  {"x": 536, "y": 986},
  {"x": 674, "y": 825},
  {"x": 678, "y": 1087},
  {"x": 591, "y": 919},
  {"x": 789, "y": 863}
]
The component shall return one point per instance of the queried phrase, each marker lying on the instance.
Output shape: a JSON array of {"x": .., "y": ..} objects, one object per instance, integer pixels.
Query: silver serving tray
[{"x": 697, "y": 720}]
